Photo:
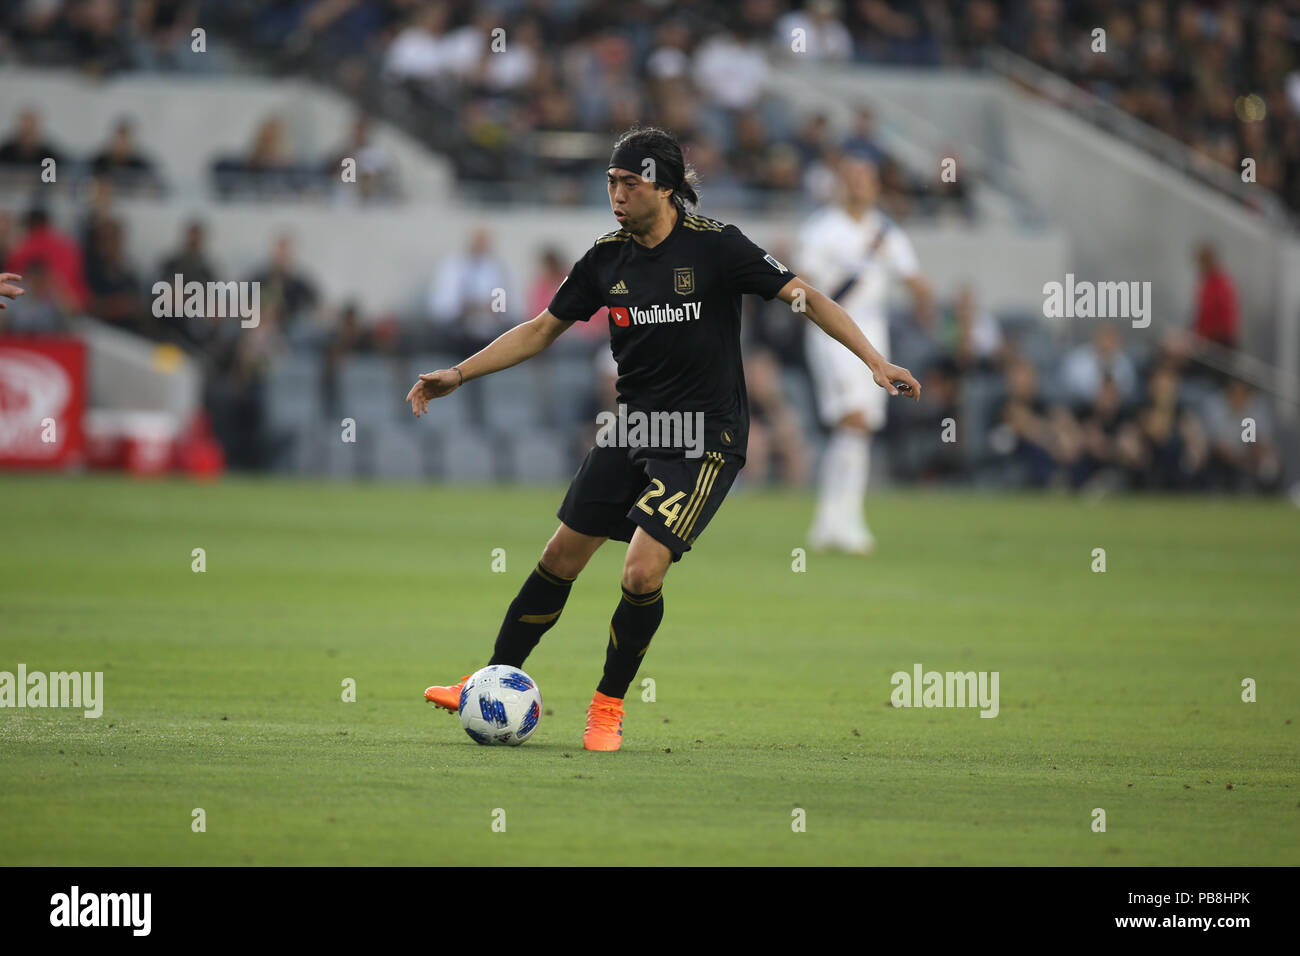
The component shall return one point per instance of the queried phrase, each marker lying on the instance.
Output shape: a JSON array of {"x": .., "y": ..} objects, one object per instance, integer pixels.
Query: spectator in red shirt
[
  {"x": 550, "y": 274},
  {"x": 1216, "y": 305},
  {"x": 60, "y": 255}
]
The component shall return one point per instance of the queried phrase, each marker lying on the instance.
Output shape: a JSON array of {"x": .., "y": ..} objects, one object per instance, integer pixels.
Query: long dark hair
[{"x": 671, "y": 170}]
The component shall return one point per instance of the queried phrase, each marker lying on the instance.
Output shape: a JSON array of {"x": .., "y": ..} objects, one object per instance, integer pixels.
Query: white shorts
[{"x": 843, "y": 383}]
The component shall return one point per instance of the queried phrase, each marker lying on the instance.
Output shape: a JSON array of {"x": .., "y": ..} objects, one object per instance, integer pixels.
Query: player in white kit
[{"x": 852, "y": 251}]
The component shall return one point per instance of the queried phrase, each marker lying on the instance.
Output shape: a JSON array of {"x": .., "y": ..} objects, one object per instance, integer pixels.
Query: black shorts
[{"x": 673, "y": 499}]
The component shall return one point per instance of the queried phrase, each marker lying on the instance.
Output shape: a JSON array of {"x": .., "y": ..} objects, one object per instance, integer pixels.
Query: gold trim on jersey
[
  {"x": 690, "y": 502},
  {"x": 708, "y": 489},
  {"x": 621, "y": 235},
  {"x": 703, "y": 486},
  {"x": 701, "y": 224}
]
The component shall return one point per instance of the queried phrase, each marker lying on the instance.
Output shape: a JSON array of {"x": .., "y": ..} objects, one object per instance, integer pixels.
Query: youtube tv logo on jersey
[{"x": 655, "y": 315}]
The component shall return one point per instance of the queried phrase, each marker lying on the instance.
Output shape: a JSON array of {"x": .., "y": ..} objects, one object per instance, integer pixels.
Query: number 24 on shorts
[{"x": 669, "y": 509}]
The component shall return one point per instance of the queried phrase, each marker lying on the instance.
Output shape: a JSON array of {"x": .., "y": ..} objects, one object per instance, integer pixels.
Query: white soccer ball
[{"x": 500, "y": 705}]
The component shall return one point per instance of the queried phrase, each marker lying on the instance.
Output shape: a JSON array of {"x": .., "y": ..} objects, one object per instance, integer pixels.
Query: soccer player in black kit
[{"x": 671, "y": 281}]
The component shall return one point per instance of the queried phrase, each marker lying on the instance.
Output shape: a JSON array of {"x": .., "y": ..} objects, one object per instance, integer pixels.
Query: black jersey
[{"x": 674, "y": 318}]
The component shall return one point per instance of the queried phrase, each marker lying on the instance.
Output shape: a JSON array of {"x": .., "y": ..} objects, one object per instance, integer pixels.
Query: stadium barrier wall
[{"x": 386, "y": 257}]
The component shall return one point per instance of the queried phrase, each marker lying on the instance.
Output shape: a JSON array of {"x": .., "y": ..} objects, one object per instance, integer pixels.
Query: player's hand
[
  {"x": 8, "y": 288},
  {"x": 897, "y": 380},
  {"x": 432, "y": 385}
]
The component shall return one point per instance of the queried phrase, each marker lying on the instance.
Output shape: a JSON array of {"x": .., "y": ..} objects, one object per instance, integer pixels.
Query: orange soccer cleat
[
  {"x": 604, "y": 723},
  {"x": 447, "y": 697}
]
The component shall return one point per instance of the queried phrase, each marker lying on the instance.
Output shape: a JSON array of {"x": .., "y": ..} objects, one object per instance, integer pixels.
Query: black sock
[
  {"x": 533, "y": 612},
  {"x": 634, "y": 623}
]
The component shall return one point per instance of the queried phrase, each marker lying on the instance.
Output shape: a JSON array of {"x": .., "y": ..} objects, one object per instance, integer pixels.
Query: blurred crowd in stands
[
  {"x": 26, "y": 152},
  {"x": 538, "y": 114},
  {"x": 85, "y": 269},
  {"x": 1000, "y": 404},
  {"x": 1004, "y": 406},
  {"x": 267, "y": 169},
  {"x": 1222, "y": 77},
  {"x": 541, "y": 97}
]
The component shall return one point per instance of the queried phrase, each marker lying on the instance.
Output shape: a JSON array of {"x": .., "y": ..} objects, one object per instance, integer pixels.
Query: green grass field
[{"x": 223, "y": 689}]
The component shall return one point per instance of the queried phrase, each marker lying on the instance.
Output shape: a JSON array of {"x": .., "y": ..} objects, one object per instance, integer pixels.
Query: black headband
[{"x": 635, "y": 158}]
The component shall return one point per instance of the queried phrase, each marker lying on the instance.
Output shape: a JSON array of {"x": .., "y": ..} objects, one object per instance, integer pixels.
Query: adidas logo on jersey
[{"x": 619, "y": 288}]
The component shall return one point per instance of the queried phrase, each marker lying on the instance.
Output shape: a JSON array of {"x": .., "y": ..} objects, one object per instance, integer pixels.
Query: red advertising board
[{"x": 42, "y": 400}]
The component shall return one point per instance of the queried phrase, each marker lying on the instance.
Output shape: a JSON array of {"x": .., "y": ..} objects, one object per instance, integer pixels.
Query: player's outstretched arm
[
  {"x": 8, "y": 286},
  {"x": 510, "y": 348},
  {"x": 839, "y": 325}
]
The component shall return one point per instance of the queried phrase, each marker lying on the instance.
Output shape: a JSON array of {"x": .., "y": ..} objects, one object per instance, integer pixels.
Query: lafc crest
[{"x": 684, "y": 280}]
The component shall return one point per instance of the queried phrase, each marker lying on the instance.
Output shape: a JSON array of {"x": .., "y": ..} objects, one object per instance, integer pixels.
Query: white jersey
[{"x": 853, "y": 260}]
